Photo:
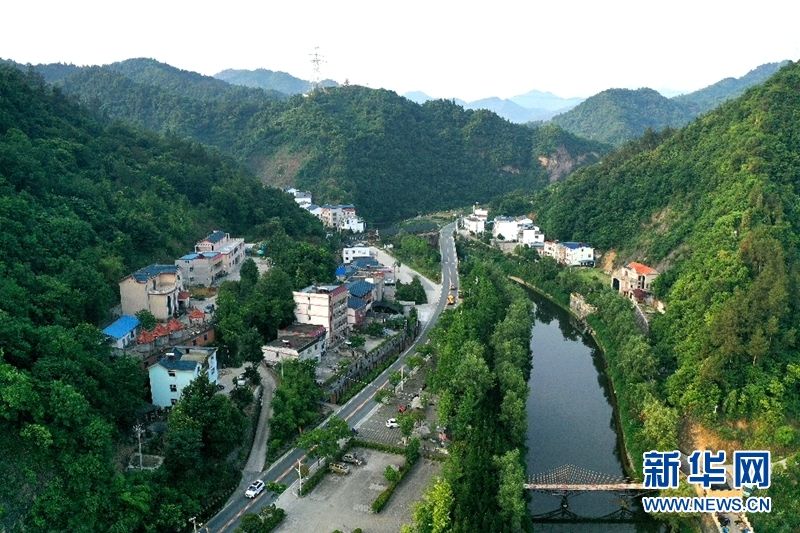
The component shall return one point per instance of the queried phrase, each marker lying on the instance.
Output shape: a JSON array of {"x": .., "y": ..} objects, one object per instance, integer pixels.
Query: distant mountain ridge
[
  {"x": 391, "y": 157},
  {"x": 532, "y": 106},
  {"x": 616, "y": 116},
  {"x": 262, "y": 78}
]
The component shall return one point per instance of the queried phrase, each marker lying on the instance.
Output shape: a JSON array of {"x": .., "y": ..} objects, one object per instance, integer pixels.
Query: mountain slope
[
  {"x": 510, "y": 110},
  {"x": 391, "y": 157},
  {"x": 715, "y": 207},
  {"x": 710, "y": 97},
  {"x": 83, "y": 203},
  {"x": 618, "y": 115},
  {"x": 261, "y": 78}
]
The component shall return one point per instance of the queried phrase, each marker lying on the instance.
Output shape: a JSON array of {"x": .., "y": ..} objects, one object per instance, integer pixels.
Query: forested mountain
[
  {"x": 615, "y": 116},
  {"x": 271, "y": 80},
  {"x": 710, "y": 97},
  {"x": 82, "y": 203},
  {"x": 391, "y": 157},
  {"x": 715, "y": 207},
  {"x": 510, "y": 110}
]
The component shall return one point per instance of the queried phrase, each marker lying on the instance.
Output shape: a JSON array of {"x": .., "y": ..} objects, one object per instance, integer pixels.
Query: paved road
[{"x": 355, "y": 411}]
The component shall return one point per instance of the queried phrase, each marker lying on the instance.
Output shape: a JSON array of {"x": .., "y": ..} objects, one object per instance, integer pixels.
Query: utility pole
[
  {"x": 193, "y": 520},
  {"x": 139, "y": 429},
  {"x": 402, "y": 384}
]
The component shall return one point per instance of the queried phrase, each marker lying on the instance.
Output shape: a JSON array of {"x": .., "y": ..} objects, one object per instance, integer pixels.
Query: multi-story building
[
  {"x": 569, "y": 253},
  {"x": 323, "y": 305},
  {"x": 633, "y": 280},
  {"x": 531, "y": 235},
  {"x": 505, "y": 228},
  {"x": 354, "y": 224},
  {"x": 173, "y": 372},
  {"x": 155, "y": 288},
  {"x": 298, "y": 341},
  {"x": 352, "y": 252},
  {"x": 231, "y": 249},
  {"x": 482, "y": 214},
  {"x": 474, "y": 224},
  {"x": 333, "y": 216},
  {"x": 201, "y": 268}
]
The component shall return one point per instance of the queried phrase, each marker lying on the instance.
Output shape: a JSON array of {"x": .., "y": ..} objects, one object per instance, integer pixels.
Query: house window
[
  {"x": 205, "y": 337},
  {"x": 171, "y": 373},
  {"x": 174, "y": 401},
  {"x": 173, "y": 388}
]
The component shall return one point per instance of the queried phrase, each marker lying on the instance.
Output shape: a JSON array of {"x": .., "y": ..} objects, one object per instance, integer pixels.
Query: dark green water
[{"x": 571, "y": 420}]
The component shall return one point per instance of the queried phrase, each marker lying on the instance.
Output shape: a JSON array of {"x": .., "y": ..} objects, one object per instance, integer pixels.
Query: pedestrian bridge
[{"x": 573, "y": 479}]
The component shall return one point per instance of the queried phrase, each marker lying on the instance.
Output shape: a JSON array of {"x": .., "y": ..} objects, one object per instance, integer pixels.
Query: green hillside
[
  {"x": 710, "y": 97},
  {"x": 82, "y": 203},
  {"x": 391, "y": 157},
  {"x": 615, "y": 116},
  {"x": 715, "y": 206}
]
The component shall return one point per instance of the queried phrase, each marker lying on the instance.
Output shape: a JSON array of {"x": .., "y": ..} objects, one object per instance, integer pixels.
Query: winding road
[{"x": 355, "y": 411}]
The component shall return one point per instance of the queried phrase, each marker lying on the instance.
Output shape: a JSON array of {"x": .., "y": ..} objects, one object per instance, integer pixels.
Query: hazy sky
[{"x": 446, "y": 49}]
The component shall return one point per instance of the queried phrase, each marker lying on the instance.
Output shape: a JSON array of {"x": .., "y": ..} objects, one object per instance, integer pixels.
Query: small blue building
[{"x": 122, "y": 331}]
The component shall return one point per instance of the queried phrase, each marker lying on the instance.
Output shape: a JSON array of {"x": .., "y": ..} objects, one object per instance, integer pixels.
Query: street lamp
[{"x": 139, "y": 429}]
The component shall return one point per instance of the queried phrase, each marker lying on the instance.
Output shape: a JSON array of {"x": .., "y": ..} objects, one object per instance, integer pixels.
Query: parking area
[{"x": 343, "y": 502}]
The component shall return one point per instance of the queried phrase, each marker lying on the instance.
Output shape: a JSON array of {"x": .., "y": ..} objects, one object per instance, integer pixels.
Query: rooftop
[
  {"x": 151, "y": 271},
  {"x": 641, "y": 269},
  {"x": 186, "y": 358},
  {"x": 360, "y": 289},
  {"x": 298, "y": 336},
  {"x": 121, "y": 326},
  {"x": 323, "y": 289},
  {"x": 356, "y": 303},
  {"x": 215, "y": 236},
  {"x": 199, "y": 255},
  {"x": 575, "y": 245}
]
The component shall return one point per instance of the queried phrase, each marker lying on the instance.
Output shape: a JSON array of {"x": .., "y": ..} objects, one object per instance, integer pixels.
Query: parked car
[
  {"x": 392, "y": 423},
  {"x": 339, "y": 468},
  {"x": 240, "y": 381},
  {"x": 352, "y": 459},
  {"x": 255, "y": 488}
]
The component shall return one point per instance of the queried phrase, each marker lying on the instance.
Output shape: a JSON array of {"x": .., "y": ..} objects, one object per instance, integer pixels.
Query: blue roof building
[
  {"x": 122, "y": 331},
  {"x": 360, "y": 289}
]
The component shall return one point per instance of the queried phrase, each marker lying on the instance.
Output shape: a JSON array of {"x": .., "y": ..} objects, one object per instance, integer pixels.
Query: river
[{"x": 571, "y": 420}]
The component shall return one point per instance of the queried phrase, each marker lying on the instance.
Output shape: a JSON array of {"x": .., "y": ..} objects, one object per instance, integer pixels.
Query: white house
[
  {"x": 173, "y": 372},
  {"x": 348, "y": 254},
  {"x": 505, "y": 227},
  {"x": 230, "y": 248},
  {"x": 122, "y": 331},
  {"x": 578, "y": 254},
  {"x": 480, "y": 213},
  {"x": 531, "y": 235},
  {"x": 298, "y": 341},
  {"x": 323, "y": 305},
  {"x": 352, "y": 223},
  {"x": 474, "y": 224}
]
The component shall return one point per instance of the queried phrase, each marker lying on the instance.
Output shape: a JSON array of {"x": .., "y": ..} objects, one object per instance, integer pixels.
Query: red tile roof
[
  {"x": 197, "y": 314},
  {"x": 174, "y": 325},
  {"x": 642, "y": 270},
  {"x": 184, "y": 295},
  {"x": 160, "y": 331},
  {"x": 145, "y": 337}
]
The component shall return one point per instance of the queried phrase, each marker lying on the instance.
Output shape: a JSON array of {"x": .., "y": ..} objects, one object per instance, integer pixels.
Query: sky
[{"x": 446, "y": 49}]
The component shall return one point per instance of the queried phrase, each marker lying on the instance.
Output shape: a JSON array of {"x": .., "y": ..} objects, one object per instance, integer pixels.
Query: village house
[
  {"x": 363, "y": 290},
  {"x": 531, "y": 235},
  {"x": 122, "y": 331},
  {"x": 302, "y": 198},
  {"x": 323, "y": 305},
  {"x": 179, "y": 367},
  {"x": 200, "y": 268},
  {"x": 569, "y": 253},
  {"x": 505, "y": 228},
  {"x": 299, "y": 342},
  {"x": 354, "y": 224},
  {"x": 155, "y": 288},
  {"x": 231, "y": 249},
  {"x": 633, "y": 280},
  {"x": 332, "y": 215},
  {"x": 480, "y": 213},
  {"x": 353, "y": 252},
  {"x": 356, "y": 311},
  {"x": 474, "y": 224}
]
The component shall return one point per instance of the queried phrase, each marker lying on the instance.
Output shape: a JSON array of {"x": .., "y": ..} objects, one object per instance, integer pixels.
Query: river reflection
[{"x": 571, "y": 420}]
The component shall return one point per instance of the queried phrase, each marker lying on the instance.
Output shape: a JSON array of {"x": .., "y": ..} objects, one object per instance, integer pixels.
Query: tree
[
  {"x": 323, "y": 442},
  {"x": 434, "y": 513},
  {"x": 357, "y": 341},
  {"x": 391, "y": 474},
  {"x": 407, "y": 422},
  {"x": 146, "y": 319},
  {"x": 511, "y": 494},
  {"x": 248, "y": 275}
]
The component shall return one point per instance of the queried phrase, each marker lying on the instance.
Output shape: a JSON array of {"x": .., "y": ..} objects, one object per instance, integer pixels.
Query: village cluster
[
  {"x": 632, "y": 279},
  {"x": 180, "y": 345}
]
